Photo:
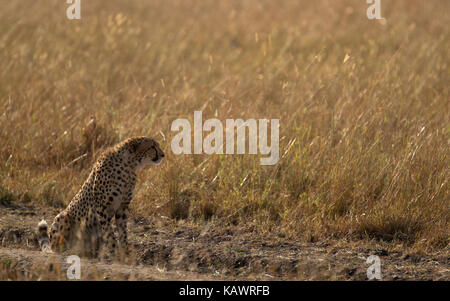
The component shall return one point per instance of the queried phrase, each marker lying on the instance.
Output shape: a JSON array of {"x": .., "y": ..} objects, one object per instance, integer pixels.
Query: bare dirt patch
[{"x": 168, "y": 250}]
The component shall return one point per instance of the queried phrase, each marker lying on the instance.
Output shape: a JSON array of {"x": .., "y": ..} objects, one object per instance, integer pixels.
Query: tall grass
[{"x": 363, "y": 108}]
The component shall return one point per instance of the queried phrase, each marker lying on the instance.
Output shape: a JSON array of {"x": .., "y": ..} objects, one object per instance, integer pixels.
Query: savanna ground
[{"x": 364, "y": 134}]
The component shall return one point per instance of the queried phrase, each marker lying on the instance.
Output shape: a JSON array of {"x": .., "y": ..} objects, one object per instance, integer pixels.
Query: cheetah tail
[{"x": 44, "y": 241}]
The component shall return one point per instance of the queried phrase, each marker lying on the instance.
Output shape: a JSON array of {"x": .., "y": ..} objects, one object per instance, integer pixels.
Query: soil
[{"x": 165, "y": 249}]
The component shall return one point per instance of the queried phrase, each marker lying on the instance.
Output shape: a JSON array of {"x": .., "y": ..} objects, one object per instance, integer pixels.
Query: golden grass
[{"x": 363, "y": 105}]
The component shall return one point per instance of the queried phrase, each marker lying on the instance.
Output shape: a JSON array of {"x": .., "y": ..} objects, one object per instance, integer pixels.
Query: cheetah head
[{"x": 146, "y": 151}]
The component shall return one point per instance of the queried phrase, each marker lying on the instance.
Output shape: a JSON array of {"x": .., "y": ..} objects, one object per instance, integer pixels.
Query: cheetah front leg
[
  {"x": 108, "y": 239},
  {"x": 121, "y": 223}
]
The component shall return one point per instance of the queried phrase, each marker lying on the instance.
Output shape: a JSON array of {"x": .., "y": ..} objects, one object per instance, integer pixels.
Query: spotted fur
[{"x": 107, "y": 193}]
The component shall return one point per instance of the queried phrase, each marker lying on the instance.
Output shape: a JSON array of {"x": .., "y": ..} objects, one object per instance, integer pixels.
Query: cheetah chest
[{"x": 117, "y": 202}]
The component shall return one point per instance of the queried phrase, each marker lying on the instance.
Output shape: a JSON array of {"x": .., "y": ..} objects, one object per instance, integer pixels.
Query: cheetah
[{"x": 107, "y": 193}]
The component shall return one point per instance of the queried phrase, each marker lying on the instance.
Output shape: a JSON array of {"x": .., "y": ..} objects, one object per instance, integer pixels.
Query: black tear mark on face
[{"x": 155, "y": 158}]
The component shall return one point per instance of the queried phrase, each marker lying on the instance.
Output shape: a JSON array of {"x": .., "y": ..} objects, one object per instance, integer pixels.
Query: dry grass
[{"x": 364, "y": 139}]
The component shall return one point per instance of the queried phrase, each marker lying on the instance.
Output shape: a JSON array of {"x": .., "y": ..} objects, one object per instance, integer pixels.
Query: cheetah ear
[
  {"x": 143, "y": 146},
  {"x": 134, "y": 146}
]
